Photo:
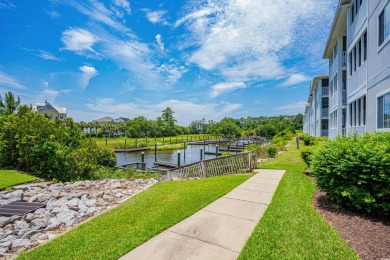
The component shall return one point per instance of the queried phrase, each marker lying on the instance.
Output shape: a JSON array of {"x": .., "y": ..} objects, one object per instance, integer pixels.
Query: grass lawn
[
  {"x": 291, "y": 228},
  {"x": 10, "y": 177},
  {"x": 120, "y": 230},
  {"x": 166, "y": 142}
]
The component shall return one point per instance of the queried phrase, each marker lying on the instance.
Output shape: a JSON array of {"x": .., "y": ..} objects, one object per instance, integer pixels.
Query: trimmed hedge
[{"x": 354, "y": 171}]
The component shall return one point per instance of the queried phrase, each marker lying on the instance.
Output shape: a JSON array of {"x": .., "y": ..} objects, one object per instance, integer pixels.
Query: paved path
[{"x": 218, "y": 231}]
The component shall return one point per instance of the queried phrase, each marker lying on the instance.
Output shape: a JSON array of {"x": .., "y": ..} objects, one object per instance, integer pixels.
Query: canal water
[{"x": 191, "y": 155}]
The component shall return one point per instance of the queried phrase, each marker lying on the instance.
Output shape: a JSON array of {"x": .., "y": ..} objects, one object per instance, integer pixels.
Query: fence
[{"x": 242, "y": 162}]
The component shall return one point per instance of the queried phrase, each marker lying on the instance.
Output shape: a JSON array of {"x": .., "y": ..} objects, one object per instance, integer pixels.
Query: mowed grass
[
  {"x": 120, "y": 230},
  {"x": 291, "y": 228},
  {"x": 10, "y": 178},
  {"x": 166, "y": 142}
]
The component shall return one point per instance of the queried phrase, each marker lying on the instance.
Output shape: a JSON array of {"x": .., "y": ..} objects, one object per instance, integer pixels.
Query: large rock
[
  {"x": 14, "y": 196},
  {"x": 4, "y": 221},
  {"x": 20, "y": 243},
  {"x": 67, "y": 216},
  {"x": 21, "y": 224},
  {"x": 39, "y": 236}
]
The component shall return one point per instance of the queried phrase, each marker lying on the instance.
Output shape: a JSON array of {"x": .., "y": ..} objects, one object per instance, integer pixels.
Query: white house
[
  {"x": 316, "y": 117},
  {"x": 53, "y": 111}
]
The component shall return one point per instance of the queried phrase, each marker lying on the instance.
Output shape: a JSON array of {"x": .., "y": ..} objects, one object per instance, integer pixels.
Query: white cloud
[
  {"x": 294, "y": 79},
  {"x": 47, "y": 55},
  {"x": 54, "y": 14},
  {"x": 87, "y": 73},
  {"x": 123, "y": 4},
  {"x": 221, "y": 88},
  {"x": 159, "y": 42},
  {"x": 248, "y": 40},
  {"x": 49, "y": 95},
  {"x": 7, "y": 5},
  {"x": 156, "y": 16},
  {"x": 185, "y": 111},
  {"x": 292, "y": 108},
  {"x": 173, "y": 72},
  {"x": 9, "y": 81},
  {"x": 79, "y": 41},
  {"x": 98, "y": 12}
]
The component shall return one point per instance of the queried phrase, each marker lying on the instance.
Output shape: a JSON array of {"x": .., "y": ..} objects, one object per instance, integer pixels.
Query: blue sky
[{"x": 128, "y": 58}]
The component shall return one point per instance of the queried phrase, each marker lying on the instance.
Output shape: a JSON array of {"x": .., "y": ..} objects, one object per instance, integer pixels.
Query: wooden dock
[
  {"x": 165, "y": 164},
  {"x": 132, "y": 150}
]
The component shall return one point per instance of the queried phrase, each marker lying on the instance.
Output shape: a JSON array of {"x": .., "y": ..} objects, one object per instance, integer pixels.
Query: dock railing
[{"x": 242, "y": 162}]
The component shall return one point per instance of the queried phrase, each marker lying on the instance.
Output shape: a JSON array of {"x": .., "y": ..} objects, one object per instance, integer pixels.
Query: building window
[
  {"x": 384, "y": 111},
  {"x": 384, "y": 24},
  {"x": 365, "y": 46},
  {"x": 352, "y": 13},
  {"x": 360, "y": 52},
  {"x": 354, "y": 58}
]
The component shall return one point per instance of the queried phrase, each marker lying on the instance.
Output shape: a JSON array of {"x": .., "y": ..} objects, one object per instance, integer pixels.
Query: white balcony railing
[
  {"x": 325, "y": 91},
  {"x": 344, "y": 59},
  {"x": 344, "y": 97},
  {"x": 325, "y": 112}
]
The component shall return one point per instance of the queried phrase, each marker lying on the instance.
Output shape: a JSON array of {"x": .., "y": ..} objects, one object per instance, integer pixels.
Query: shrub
[
  {"x": 307, "y": 139},
  {"x": 307, "y": 154},
  {"x": 355, "y": 172},
  {"x": 260, "y": 151},
  {"x": 50, "y": 149},
  {"x": 225, "y": 154},
  {"x": 271, "y": 150}
]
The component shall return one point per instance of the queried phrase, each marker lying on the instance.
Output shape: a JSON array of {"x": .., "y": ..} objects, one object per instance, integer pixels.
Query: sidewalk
[{"x": 218, "y": 231}]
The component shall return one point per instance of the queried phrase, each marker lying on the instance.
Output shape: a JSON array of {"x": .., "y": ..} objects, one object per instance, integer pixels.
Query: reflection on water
[{"x": 192, "y": 154}]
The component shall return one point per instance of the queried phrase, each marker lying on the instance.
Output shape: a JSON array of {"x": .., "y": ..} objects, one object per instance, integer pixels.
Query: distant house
[
  {"x": 48, "y": 109},
  {"x": 105, "y": 120},
  {"x": 110, "y": 120}
]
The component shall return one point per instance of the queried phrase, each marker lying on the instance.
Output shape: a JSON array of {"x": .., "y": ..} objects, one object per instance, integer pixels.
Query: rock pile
[{"x": 67, "y": 204}]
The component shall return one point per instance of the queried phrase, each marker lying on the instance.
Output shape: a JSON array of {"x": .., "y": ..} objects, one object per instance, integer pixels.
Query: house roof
[
  {"x": 105, "y": 119},
  {"x": 47, "y": 105},
  {"x": 339, "y": 25}
]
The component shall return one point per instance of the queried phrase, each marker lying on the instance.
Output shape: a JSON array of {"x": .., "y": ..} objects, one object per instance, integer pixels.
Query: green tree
[
  {"x": 169, "y": 121},
  {"x": 9, "y": 104}
]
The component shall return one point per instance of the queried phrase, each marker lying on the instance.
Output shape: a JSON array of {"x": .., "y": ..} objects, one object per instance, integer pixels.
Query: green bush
[
  {"x": 49, "y": 149},
  {"x": 307, "y": 139},
  {"x": 355, "y": 172},
  {"x": 307, "y": 154},
  {"x": 227, "y": 153},
  {"x": 260, "y": 150},
  {"x": 271, "y": 150}
]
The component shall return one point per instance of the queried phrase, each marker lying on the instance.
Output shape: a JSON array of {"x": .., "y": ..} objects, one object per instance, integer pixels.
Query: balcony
[
  {"x": 344, "y": 59},
  {"x": 325, "y": 112},
  {"x": 324, "y": 132},
  {"x": 325, "y": 91},
  {"x": 344, "y": 97}
]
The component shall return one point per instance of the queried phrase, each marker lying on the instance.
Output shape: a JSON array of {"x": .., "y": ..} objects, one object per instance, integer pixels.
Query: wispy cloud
[
  {"x": 47, "y": 55},
  {"x": 98, "y": 12},
  {"x": 221, "y": 88},
  {"x": 292, "y": 108},
  {"x": 87, "y": 73},
  {"x": 156, "y": 16},
  {"x": 10, "y": 81},
  {"x": 79, "y": 41},
  {"x": 6, "y": 5},
  {"x": 246, "y": 40},
  {"x": 159, "y": 42},
  {"x": 54, "y": 14},
  {"x": 295, "y": 79}
]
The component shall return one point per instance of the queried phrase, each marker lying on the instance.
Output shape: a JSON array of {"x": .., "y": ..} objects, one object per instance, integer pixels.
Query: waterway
[{"x": 190, "y": 155}]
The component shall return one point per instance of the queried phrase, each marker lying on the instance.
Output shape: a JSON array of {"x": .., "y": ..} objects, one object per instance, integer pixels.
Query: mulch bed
[{"x": 368, "y": 236}]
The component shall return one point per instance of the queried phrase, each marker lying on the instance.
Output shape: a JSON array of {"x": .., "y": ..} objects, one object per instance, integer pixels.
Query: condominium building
[
  {"x": 358, "y": 50},
  {"x": 316, "y": 118}
]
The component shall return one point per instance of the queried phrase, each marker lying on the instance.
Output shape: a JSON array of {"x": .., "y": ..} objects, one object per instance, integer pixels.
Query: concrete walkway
[{"x": 218, "y": 231}]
